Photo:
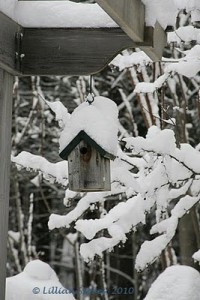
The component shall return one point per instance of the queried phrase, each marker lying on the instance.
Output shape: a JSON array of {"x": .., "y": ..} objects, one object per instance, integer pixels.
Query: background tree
[{"x": 172, "y": 102}]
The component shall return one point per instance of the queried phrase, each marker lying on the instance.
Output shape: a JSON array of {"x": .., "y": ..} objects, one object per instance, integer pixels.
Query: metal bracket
[{"x": 18, "y": 51}]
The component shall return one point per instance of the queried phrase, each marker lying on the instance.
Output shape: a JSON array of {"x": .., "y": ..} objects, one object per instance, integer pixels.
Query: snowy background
[{"x": 149, "y": 221}]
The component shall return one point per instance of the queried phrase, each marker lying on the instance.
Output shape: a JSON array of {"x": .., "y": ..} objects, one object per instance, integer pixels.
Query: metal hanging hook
[{"x": 90, "y": 96}]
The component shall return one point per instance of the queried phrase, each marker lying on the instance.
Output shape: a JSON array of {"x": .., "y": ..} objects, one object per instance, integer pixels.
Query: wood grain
[
  {"x": 128, "y": 14},
  {"x": 8, "y": 30},
  {"x": 155, "y": 39},
  {"x": 6, "y": 87},
  {"x": 89, "y": 171},
  {"x": 75, "y": 51}
]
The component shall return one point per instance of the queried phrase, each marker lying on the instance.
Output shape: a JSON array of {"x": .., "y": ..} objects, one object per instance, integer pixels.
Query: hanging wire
[{"x": 90, "y": 96}]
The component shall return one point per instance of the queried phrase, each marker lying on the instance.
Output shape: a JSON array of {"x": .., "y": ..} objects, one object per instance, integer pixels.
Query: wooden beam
[
  {"x": 68, "y": 51},
  {"x": 128, "y": 14},
  {"x": 8, "y": 31},
  {"x": 6, "y": 88},
  {"x": 155, "y": 39},
  {"x": 75, "y": 51}
]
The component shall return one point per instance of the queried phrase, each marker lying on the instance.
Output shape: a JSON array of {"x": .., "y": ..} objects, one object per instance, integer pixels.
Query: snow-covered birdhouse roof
[{"x": 95, "y": 123}]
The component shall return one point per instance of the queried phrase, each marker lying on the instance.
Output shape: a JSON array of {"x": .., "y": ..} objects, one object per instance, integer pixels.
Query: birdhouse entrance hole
[{"x": 84, "y": 150}]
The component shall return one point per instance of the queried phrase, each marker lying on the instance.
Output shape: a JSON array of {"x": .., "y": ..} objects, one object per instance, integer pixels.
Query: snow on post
[
  {"x": 89, "y": 141},
  {"x": 37, "y": 281},
  {"x": 176, "y": 282}
]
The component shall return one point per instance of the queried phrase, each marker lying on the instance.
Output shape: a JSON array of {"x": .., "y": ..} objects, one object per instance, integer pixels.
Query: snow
[
  {"x": 129, "y": 60},
  {"x": 57, "y": 221},
  {"x": 99, "y": 120},
  {"x": 61, "y": 112},
  {"x": 36, "y": 275},
  {"x": 190, "y": 61},
  {"x": 165, "y": 172},
  {"x": 70, "y": 14},
  {"x": 120, "y": 220},
  {"x": 196, "y": 256},
  {"x": 184, "y": 33},
  {"x": 96, "y": 246},
  {"x": 118, "y": 214},
  {"x": 187, "y": 66},
  {"x": 166, "y": 144},
  {"x": 56, "y": 14},
  {"x": 57, "y": 172},
  {"x": 195, "y": 186},
  {"x": 158, "y": 244},
  {"x": 147, "y": 256},
  {"x": 184, "y": 205},
  {"x": 177, "y": 192},
  {"x": 176, "y": 282},
  {"x": 14, "y": 235},
  {"x": 163, "y": 11},
  {"x": 148, "y": 87},
  {"x": 189, "y": 5},
  {"x": 171, "y": 166},
  {"x": 40, "y": 270},
  {"x": 189, "y": 156}
]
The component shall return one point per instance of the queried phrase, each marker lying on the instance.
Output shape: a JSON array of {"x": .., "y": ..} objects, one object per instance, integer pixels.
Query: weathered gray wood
[
  {"x": 65, "y": 51},
  {"x": 6, "y": 86},
  {"x": 128, "y": 14},
  {"x": 89, "y": 171},
  {"x": 155, "y": 39},
  {"x": 83, "y": 136},
  {"x": 75, "y": 51},
  {"x": 8, "y": 30}
]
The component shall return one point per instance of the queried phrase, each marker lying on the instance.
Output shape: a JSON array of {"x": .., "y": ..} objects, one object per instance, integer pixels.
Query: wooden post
[{"x": 6, "y": 88}]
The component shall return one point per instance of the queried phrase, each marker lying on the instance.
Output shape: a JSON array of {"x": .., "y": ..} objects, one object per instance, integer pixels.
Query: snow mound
[
  {"x": 165, "y": 12},
  {"x": 38, "y": 281},
  {"x": 176, "y": 282},
  {"x": 196, "y": 256},
  {"x": 99, "y": 120},
  {"x": 37, "y": 269},
  {"x": 56, "y": 14}
]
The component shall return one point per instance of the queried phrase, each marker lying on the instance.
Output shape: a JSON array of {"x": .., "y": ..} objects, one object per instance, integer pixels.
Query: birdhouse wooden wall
[{"x": 88, "y": 169}]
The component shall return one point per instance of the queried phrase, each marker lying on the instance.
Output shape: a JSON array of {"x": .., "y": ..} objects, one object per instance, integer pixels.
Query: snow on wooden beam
[
  {"x": 128, "y": 14},
  {"x": 68, "y": 51},
  {"x": 65, "y": 51}
]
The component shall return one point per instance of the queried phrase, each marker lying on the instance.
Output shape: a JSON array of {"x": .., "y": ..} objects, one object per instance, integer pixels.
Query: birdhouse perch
[{"x": 90, "y": 139}]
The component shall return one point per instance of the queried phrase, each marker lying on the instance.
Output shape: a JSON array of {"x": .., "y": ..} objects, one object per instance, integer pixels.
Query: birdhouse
[
  {"x": 89, "y": 142},
  {"x": 88, "y": 164}
]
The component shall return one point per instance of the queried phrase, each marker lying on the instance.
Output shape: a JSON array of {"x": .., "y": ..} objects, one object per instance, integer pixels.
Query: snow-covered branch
[
  {"x": 164, "y": 173},
  {"x": 53, "y": 172}
]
